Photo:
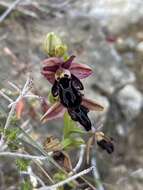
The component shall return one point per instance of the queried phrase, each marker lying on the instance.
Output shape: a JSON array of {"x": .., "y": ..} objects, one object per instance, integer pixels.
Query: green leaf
[
  {"x": 78, "y": 141},
  {"x": 70, "y": 130},
  {"x": 26, "y": 185},
  {"x": 22, "y": 164},
  {"x": 72, "y": 142},
  {"x": 78, "y": 130},
  {"x": 12, "y": 133},
  {"x": 14, "y": 120},
  {"x": 66, "y": 143},
  {"x": 60, "y": 176}
]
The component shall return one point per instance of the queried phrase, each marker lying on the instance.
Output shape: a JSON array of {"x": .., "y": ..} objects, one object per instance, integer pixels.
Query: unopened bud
[
  {"x": 53, "y": 45},
  {"x": 60, "y": 50}
]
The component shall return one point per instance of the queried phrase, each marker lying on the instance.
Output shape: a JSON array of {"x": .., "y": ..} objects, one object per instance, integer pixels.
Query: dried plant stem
[
  {"x": 50, "y": 159},
  {"x": 38, "y": 163},
  {"x": 38, "y": 146},
  {"x": 6, "y": 97},
  {"x": 95, "y": 172},
  {"x": 23, "y": 94},
  {"x": 9, "y": 117},
  {"x": 81, "y": 156},
  {"x": 7, "y": 12},
  {"x": 45, "y": 172},
  {"x": 13, "y": 103},
  {"x": 61, "y": 183},
  {"x": 14, "y": 86},
  {"x": 20, "y": 155}
]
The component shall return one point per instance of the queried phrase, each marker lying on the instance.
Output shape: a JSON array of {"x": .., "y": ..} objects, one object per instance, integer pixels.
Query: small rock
[
  {"x": 139, "y": 35},
  {"x": 121, "y": 130},
  {"x": 139, "y": 47},
  {"x": 120, "y": 44},
  {"x": 130, "y": 100},
  {"x": 138, "y": 174}
]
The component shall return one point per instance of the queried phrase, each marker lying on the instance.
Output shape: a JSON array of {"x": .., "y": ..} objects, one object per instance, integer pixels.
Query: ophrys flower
[{"x": 52, "y": 65}]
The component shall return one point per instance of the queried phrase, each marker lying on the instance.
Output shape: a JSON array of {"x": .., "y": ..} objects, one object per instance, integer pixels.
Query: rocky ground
[{"x": 109, "y": 37}]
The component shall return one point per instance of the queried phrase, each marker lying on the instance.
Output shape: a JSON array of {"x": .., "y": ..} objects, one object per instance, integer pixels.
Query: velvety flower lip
[
  {"x": 106, "y": 143},
  {"x": 57, "y": 110},
  {"x": 52, "y": 64}
]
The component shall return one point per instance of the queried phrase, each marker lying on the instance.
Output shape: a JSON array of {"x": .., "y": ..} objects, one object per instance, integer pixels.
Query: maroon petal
[
  {"x": 51, "y": 64},
  {"x": 80, "y": 70},
  {"x": 92, "y": 105},
  {"x": 50, "y": 76},
  {"x": 54, "y": 112},
  {"x": 67, "y": 63}
]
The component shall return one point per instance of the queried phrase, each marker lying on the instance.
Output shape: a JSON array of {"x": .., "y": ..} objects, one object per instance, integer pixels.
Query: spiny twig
[
  {"x": 6, "y": 97},
  {"x": 20, "y": 155},
  {"x": 9, "y": 117},
  {"x": 49, "y": 158},
  {"x": 38, "y": 163},
  {"x": 61, "y": 183},
  {"x": 24, "y": 93}
]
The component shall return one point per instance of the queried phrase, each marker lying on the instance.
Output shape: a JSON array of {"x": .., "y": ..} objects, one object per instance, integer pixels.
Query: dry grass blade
[{"x": 8, "y": 11}]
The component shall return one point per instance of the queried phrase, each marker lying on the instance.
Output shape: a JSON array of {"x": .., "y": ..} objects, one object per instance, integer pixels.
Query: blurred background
[{"x": 108, "y": 36}]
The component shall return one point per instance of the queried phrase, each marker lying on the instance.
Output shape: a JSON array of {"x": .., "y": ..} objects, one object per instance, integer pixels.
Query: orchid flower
[
  {"x": 57, "y": 110},
  {"x": 105, "y": 142},
  {"x": 66, "y": 84},
  {"x": 54, "y": 64}
]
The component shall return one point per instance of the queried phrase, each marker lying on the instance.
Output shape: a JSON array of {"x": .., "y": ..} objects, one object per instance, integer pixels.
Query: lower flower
[
  {"x": 78, "y": 114},
  {"x": 106, "y": 143}
]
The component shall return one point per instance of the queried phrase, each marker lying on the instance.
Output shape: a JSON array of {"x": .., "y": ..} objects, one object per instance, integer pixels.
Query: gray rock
[
  {"x": 130, "y": 100},
  {"x": 110, "y": 73},
  {"x": 139, "y": 47},
  {"x": 116, "y": 15}
]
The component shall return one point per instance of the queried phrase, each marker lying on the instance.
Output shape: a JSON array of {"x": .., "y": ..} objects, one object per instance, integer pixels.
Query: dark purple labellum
[
  {"x": 68, "y": 91},
  {"x": 80, "y": 114},
  {"x": 106, "y": 145}
]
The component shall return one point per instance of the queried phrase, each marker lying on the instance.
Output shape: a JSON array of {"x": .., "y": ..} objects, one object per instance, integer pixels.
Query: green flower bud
[
  {"x": 53, "y": 45},
  {"x": 60, "y": 50}
]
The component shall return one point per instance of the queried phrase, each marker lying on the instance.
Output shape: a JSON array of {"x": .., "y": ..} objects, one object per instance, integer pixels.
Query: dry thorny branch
[
  {"x": 63, "y": 72},
  {"x": 27, "y": 7},
  {"x": 26, "y": 94}
]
